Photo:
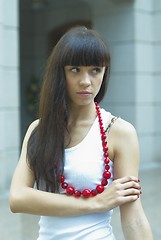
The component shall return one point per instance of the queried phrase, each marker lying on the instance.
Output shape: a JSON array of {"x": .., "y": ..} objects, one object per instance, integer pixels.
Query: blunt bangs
[{"x": 84, "y": 48}]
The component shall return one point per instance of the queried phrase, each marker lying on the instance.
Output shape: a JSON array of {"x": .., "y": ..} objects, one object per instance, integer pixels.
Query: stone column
[
  {"x": 157, "y": 79},
  {"x": 148, "y": 79},
  {"x": 9, "y": 91}
]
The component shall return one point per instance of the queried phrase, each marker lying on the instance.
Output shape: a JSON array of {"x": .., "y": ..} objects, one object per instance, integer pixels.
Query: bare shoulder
[
  {"x": 31, "y": 127},
  {"x": 123, "y": 128},
  {"x": 123, "y": 137}
]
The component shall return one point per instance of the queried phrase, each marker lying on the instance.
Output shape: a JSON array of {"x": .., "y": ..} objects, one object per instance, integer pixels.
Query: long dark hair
[{"x": 45, "y": 151}]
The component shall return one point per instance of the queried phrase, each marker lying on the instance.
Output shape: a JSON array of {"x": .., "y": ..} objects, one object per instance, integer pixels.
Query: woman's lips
[{"x": 84, "y": 93}]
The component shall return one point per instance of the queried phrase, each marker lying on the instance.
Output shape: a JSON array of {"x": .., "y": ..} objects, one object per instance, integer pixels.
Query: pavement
[{"x": 25, "y": 227}]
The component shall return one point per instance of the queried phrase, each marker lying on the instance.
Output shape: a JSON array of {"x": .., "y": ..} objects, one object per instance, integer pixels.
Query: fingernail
[
  {"x": 140, "y": 192},
  {"x": 138, "y": 180}
]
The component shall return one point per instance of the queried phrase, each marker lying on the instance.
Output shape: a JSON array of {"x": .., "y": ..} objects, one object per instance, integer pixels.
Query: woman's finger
[
  {"x": 131, "y": 184},
  {"x": 127, "y": 179},
  {"x": 131, "y": 191}
]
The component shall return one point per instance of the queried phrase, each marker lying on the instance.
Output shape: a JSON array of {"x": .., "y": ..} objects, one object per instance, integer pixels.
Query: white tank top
[{"x": 83, "y": 168}]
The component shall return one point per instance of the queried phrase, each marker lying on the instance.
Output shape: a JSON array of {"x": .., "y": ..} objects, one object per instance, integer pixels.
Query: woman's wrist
[
  {"x": 90, "y": 205},
  {"x": 97, "y": 204}
]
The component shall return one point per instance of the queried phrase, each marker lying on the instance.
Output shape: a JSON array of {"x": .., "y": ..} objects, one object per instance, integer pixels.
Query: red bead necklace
[{"x": 106, "y": 174}]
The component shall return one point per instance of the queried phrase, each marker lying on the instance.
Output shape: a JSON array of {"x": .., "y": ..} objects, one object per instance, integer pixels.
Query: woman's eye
[
  {"x": 96, "y": 70},
  {"x": 74, "y": 69}
]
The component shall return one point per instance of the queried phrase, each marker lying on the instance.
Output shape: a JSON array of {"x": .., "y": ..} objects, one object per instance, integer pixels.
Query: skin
[{"x": 83, "y": 84}]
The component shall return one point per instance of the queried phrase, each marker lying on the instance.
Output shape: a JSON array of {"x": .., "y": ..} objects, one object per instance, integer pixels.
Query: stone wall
[{"x": 132, "y": 29}]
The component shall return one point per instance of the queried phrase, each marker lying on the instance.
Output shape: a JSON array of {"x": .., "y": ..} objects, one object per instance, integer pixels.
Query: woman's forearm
[
  {"x": 138, "y": 229},
  {"x": 32, "y": 201}
]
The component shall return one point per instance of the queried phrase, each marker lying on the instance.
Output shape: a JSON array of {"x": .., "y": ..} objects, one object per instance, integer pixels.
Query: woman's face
[{"x": 83, "y": 83}]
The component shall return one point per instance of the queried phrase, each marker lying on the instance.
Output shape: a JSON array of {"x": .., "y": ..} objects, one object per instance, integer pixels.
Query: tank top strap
[
  {"x": 113, "y": 119},
  {"x": 108, "y": 120}
]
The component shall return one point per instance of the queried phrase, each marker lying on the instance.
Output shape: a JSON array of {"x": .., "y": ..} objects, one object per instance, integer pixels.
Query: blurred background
[{"x": 29, "y": 29}]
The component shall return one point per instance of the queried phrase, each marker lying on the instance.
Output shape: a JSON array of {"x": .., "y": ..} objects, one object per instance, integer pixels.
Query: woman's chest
[{"x": 84, "y": 164}]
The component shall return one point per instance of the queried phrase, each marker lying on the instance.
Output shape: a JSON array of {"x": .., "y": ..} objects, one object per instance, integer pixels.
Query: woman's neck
[
  {"x": 79, "y": 113},
  {"x": 80, "y": 120}
]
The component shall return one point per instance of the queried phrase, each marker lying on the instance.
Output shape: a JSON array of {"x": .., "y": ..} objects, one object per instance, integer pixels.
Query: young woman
[{"x": 84, "y": 160}]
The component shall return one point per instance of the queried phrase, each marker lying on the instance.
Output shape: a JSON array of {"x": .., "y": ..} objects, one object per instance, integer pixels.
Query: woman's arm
[
  {"x": 24, "y": 198},
  {"x": 126, "y": 162}
]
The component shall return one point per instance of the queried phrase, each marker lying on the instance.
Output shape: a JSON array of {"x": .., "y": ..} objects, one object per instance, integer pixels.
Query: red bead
[
  {"x": 86, "y": 193},
  {"x": 104, "y": 144},
  {"x": 64, "y": 185},
  {"x": 101, "y": 125},
  {"x": 107, "y": 167},
  {"x": 70, "y": 190},
  {"x": 93, "y": 192},
  {"x": 102, "y": 129},
  {"x": 77, "y": 194},
  {"x": 105, "y": 149},
  {"x": 99, "y": 118},
  {"x": 107, "y": 174},
  {"x": 61, "y": 178},
  {"x": 106, "y": 160},
  {"x": 104, "y": 182},
  {"x": 55, "y": 165},
  {"x": 104, "y": 136},
  {"x": 96, "y": 104},
  {"x": 106, "y": 154},
  {"x": 100, "y": 188}
]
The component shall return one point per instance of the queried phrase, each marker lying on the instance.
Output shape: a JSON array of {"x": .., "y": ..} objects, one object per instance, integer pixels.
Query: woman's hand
[{"x": 119, "y": 192}]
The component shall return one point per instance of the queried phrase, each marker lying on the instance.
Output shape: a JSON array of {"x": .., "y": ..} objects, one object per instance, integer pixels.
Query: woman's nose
[{"x": 85, "y": 79}]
